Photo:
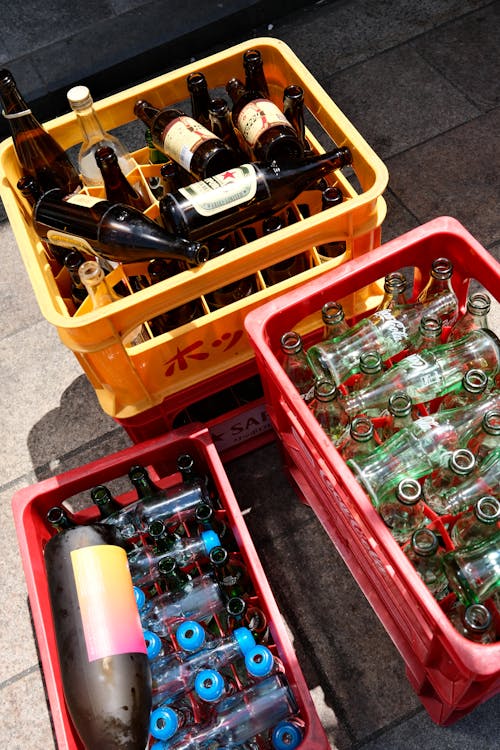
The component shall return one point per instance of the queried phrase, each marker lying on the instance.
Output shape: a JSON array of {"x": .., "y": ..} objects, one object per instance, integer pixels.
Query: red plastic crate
[
  {"x": 229, "y": 404},
  {"x": 159, "y": 456},
  {"x": 450, "y": 674}
]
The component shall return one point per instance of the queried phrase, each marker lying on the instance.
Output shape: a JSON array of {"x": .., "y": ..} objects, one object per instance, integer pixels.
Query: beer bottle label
[
  {"x": 110, "y": 618},
  {"x": 258, "y": 116},
  {"x": 82, "y": 199},
  {"x": 71, "y": 241},
  {"x": 182, "y": 137},
  {"x": 222, "y": 191}
]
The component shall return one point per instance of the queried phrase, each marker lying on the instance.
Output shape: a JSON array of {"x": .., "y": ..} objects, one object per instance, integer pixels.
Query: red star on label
[{"x": 228, "y": 176}]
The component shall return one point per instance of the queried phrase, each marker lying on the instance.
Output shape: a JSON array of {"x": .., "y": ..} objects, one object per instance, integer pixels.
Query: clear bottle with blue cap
[
  {"x": 143, "y": 562},
  {"x": 190, "y": 636},
  {"x": 166, "y": 721},
  {"x": 240, "y": 717},
  {"x": 201, "y": 598},
  {"x": 211, "y": 687},
  {"x": 174, "y": 675},
  {"x": 156, "y": 647},
  {"x": 287, "y": 735},
  {"x": 260, "y": 662}
]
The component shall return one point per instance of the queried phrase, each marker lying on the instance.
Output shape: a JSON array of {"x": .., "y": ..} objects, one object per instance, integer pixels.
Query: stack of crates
[
  {"x": 172, "y": 379},
  {"x": 159, "y": 456},
  {"x": 450, "y": 674}
]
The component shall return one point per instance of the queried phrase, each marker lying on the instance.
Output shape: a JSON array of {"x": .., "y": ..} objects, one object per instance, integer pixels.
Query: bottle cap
[
  {"x": 79, "y": 97},
  {"x": 163, "y": 723},
  {"x": 209, "y": 685},
  {"x": 286, "y": 736},
  {"x": 190, "y": 635},
  {"x": 259, "y": 661},
  {"x": 153, "y": 644},
  {"x": 210, "y": 540},
  {"x": 140, "y": 597},
  {"x": 245, "y": 639}
]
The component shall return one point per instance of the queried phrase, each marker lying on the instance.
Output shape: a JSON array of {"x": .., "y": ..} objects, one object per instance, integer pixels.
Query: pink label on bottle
[{"x": 110, "y": 618}]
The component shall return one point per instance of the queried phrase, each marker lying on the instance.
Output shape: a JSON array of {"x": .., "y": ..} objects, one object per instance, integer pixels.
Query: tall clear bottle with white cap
[{"x": 94, "y": 136}]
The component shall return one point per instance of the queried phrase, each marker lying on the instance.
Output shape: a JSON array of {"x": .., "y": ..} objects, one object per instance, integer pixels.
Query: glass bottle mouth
[
  {"x": 325, "y": 390},
  {"x": 424, "y": 542},
  {"x": 394, "y": 283},
  {"x": 431, "y": 326},
  {"x": 79, "y": 97},
  {"x": 218, "y": 556},
  {"x": 195, "y": 80},
  {"x": 361, "y": 429},
  {"x": 56, "y": 515},
  {"x": 441, "y": 269},
  {"x": 236, "y": 606},
  {"x": 487, "y": 509},
  {"x": 491, "y": 422},
  {"x": 479, "y": 304},
  {"x": 294, "y": 91},
  {"x": 156, "y": 529},
  {"x": 462, "y": 461},
  {"x": 409, "y": 491},
  {"x": 477, "y": 617},
  {"x": 475, "y": 380},
  {"x": 332, "y": 312},
  {"x": 91, "y": 273},
  {"x": 99, "y": 494},
  {"x": 185, "y": 462},
  {"x": 400, "y": 404},
  {"x": 167, "y": 565},
  {"x": 291, "y": 342},
  {"x": 370, "y": 363}
]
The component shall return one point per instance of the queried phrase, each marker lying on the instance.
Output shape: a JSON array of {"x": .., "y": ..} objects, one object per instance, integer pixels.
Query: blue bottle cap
[
  {"x": 209, "y": 685},
  {"x": 245, "y": 639},
  {"x": 163, "y": 723},
  {"x": 210, "y": 540},
  {"x": 140, "y": 597},
  {"x": 286, "y": 736},
  {"x": 259, "y": 661},
  {"x": 190, "y": 635},
  {"x": 153, "y": 644}
]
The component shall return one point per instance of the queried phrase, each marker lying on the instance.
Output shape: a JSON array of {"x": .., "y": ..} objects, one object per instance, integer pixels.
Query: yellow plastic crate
[{"x": 128, "y": 381}]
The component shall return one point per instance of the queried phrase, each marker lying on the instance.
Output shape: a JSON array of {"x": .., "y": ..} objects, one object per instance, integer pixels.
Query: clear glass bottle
[
  {"x": 334, "y": 322},
  {"x": 166, "y": 721},
  {"x": 488, "y": 437},
  {"x": 430, "y": 373},
  {"x": 473, "y": 622},
  {"x": 486, "y": 480},
  {"x": 477, "y": 523},
  {"x": 326, "y": 407},
  {"x": 359, "y": 440},
  {"x": 94, "y": 136},
  {"x": 399, "y": 407},
  {"x": 460, "y": 465},
  {"x": 426, "y": 555},
  {"x": 38, "y": 153},
  {"x": 370, "y": 369},
  {"x": 394, "y": 291},
  {"x": 474, "y": 571},
  {"x": 404, "y": 512},
  {"x": 101, "y": 293},
  {"x": 429, "y": 334},
  {"x": 418, "y": 449},
  {"x": 296, "y": 366},
  {"x": 256, "y": 710},
  {"x": 389, "y": 332},
  {"x": 174, "y": 675},
  {"x": 474, "y": 386},
  {"x": 476, "y": 316},
  {"x": 439, "y": 283}
]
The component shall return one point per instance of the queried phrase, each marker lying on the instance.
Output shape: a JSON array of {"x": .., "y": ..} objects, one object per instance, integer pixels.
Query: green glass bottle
[
  {"x": 404, "y": 511},
  {"x": 327, "y": 409},
  {"x": 426, "y": 555}
]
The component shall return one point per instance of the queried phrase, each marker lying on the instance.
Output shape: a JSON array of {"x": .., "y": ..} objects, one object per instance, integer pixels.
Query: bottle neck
[{"x": 90, "y": 125}]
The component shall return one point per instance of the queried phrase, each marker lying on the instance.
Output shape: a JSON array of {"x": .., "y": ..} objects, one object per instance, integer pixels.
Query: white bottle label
[
  {"x": 222, "y": 191},
  {"x": 82, "y": 199},
  {"x": 71, "y": 241},
  {"x": 258, "y": 116},
  {"x": 181, "y": 138},
  {"x": 393, "y": 327}
]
